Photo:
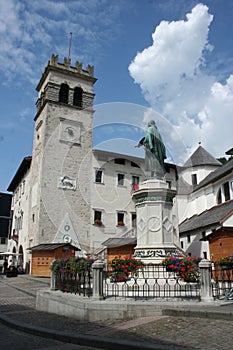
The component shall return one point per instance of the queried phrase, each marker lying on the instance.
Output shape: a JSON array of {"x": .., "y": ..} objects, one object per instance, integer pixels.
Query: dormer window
[
  {"x": 78, "y": 97},
  {"x": 64, "y": 93}
]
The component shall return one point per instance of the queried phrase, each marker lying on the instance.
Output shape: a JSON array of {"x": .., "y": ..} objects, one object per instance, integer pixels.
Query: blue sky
[{"x": 174, "y": 56}]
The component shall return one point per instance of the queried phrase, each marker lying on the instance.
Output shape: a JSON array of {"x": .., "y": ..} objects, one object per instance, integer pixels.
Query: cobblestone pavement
[{"x": 188, "y": 332}]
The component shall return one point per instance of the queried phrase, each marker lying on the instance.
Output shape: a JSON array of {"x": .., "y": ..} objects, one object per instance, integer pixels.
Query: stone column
[
  {"x": 206, "y": 287},
  {"x": 53, "y": 281},
  {"x": 98, "y": 280},
  {"x": 156, "y": 234}
]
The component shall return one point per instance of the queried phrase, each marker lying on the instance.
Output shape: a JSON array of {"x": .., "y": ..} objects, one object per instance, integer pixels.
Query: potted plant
[
  {"x": 98, "y": 222},
  {"x": 122, "y": 268},
  {"x": 121, "y": 223}
]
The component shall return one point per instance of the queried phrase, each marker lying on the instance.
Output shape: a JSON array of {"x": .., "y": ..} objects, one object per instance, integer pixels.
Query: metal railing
[
  {"x": 151, "y": 282},
  {"x": 222, "y": 280},
  {"x": 77, "y": 283}
]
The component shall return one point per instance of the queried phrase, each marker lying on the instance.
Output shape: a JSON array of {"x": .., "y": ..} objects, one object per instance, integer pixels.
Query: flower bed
[
  {"x": 186, "y": 268},
  {"x": 124, "y": 267}
]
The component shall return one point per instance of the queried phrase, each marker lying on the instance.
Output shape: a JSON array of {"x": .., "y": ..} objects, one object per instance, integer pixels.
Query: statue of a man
[{"x": 155, "y": 151}]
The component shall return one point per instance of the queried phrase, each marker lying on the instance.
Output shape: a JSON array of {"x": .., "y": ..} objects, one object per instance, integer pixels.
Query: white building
[{"x": 205, "y": 201}]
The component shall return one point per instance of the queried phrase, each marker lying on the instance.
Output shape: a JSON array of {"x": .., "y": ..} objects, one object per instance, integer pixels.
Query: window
[
  {"x": 99, "y": 176},
  {"x": 226, "y": 188},
  {"x": 188, "y": 238},
  {"x": 205, "y": 255},
  {"x": 203, "y": 234},
  {"x": 219, "y": 196},
  {"x": 169, "y": 184},
  {"x": 119, "y": 161},
  {"x": 64, "y": 93},
  {"x": 120, "y": 179},
  {"x": 134, "y": 220},
  {"x": 182, "y": 244},
  {"x": 3, "y": 240},
  {"x": 135, "y": 183},
  {"x": 78, "y": 97},
  {"x": 194, "y": 179},
  {"x": 120, "y": 219},
  {"x": 134, "y": 165},
  {"x": 23, "y": 187},
  {"x": 98, "y": 217}
]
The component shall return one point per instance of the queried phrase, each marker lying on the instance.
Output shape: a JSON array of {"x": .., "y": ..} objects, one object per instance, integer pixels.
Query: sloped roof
[
  {"x": 212, "y": 217},
  {"x": 51, "y": 246},
  {"x": 118, "y": 242},
  {"x": 201, "y": 157},
  {"x": 23, "y": 168},
  {"x": 229, "y": 152},
  {"x": 214, "y": 176}
]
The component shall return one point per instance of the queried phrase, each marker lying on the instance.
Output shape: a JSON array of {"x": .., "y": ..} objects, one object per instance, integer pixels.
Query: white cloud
[
  {"x": 171, "y": 74},
  {"x": 30, "y": 33}
]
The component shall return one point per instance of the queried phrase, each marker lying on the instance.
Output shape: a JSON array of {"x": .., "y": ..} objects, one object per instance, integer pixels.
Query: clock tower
[{"x": 62, "y": 153}]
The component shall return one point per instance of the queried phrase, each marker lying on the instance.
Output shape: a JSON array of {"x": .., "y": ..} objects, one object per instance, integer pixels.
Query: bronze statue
[{"x": 155, "y": 151}]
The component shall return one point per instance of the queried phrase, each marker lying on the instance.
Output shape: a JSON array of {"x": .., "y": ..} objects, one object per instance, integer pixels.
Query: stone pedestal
[{"x": 156, "y": 234}]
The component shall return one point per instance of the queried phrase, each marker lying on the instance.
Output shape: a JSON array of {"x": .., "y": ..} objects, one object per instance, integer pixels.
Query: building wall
[
  {"x": 221, "y": 245},
  {"x": 126, "y": 250},
  {"x": 193, "y": 246},
  {"x": 5, "y": 223},
  {"x": 19, "y": 231}
]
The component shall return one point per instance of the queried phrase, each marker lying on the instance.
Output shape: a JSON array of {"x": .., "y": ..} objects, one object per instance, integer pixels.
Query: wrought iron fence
[
  {"x": 77, "y": 283},
  {"x": 222, "y": 280},
  {"x": 151, "y": 282}
]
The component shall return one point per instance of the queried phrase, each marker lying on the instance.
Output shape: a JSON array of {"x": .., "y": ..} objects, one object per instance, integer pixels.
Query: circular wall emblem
[{"x": 154, "y": 223}]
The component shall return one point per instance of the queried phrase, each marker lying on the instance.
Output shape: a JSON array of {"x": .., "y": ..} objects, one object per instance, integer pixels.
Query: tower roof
[
  {"x": 66, "y": 68},
  {"x": 201, "y": 157}
]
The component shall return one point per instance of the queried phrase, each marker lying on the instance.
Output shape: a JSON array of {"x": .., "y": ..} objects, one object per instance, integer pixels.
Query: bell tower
[{"x": 61, "y": 157}]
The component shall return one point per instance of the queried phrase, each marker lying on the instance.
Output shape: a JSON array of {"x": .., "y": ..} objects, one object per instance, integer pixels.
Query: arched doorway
[{"x": 20, "y": 257}]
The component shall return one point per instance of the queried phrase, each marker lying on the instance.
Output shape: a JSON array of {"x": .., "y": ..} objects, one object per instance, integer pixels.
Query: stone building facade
[{"x": 73, "y": 193}]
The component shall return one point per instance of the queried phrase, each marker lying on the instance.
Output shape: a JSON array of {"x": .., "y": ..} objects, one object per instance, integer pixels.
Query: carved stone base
[{"x": 154, "y": 255}]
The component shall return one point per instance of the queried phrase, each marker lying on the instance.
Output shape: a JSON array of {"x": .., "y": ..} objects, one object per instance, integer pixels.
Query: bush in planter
[
  {"x": 72, "y": 264},
  {"x": 124, "y": 267},
  {"x": 226, "y": 262}
]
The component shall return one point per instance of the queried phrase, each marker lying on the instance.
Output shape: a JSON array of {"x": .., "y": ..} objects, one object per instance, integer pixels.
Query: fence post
[
  {"x": 53, "y": 281},
  {"x": 206, "y": 287},
  {"x": 98, "y": 279}
]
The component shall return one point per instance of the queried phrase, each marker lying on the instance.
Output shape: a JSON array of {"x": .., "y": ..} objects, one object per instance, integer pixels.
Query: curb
[
  {"x": 210, "y": 314},
  {"x": 91, "y": 341}
]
